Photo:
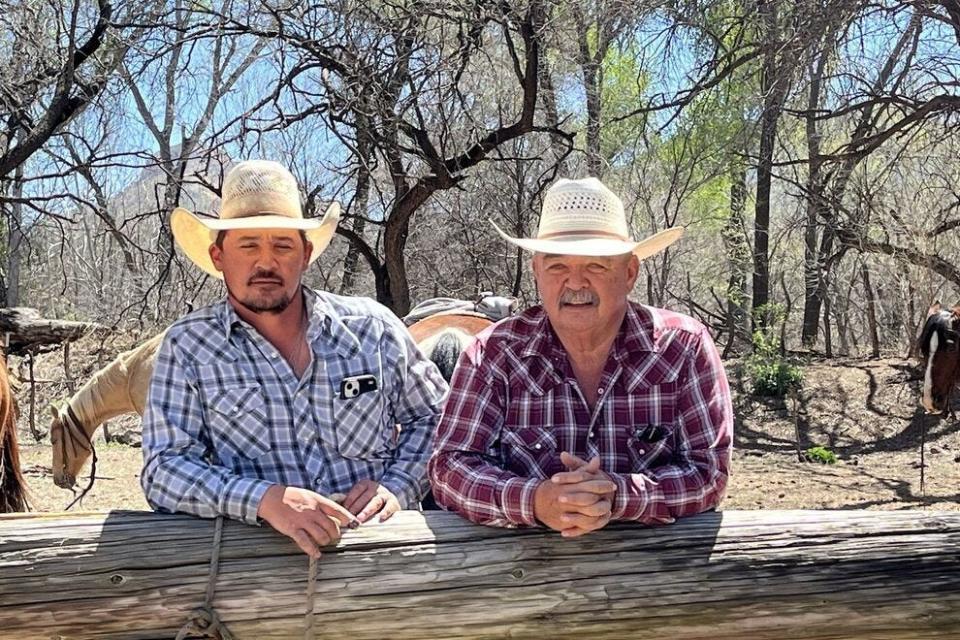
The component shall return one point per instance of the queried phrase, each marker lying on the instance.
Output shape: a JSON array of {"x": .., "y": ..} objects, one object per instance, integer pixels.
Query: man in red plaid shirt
[{"x": 588, "y": 408}]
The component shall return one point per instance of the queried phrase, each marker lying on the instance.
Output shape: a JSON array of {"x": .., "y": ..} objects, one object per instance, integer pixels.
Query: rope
[
  {"x": 72, "y": 436},
  {"x": 309, "y": 632},
  {"x": 203, "y": 621}
]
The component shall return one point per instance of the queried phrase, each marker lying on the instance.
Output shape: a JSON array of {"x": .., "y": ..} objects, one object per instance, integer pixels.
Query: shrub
[
  {"x": 771, "y": 373},
  {"x": 821, "y": 455}
]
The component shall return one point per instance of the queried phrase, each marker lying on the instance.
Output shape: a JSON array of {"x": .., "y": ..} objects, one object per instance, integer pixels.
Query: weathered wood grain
[
  {"x": 751, "y": 575},
  {"x": 28, "y": 330}
]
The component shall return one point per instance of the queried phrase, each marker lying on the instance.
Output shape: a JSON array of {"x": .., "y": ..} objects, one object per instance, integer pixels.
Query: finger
[
  {"x": 305, "y": 542},
  {"x": 339, "y": 513},
  {"x": 355, "y": 492},
  {"x": 579, "y": 498},
  {"x": 372, "y": 508},
  {"x": 593, "y": 466},
  {"x": 574, "y": 477},
  {"x": 324, "y": 529},
  {"x": 570, "y": 461},
  {"x": 392, "y": 506},
  {"x": 598, "y": 509},
  {"x": 598, "y": 485},
  {"x": 362, "y": 498},
  {"x": 579, "y": 520},
  {"x": 586, "y": 525},
  {"x": 571, "y": 477}
]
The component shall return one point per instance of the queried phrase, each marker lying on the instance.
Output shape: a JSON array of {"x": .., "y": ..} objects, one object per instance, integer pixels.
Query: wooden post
[
  {"x": 33, "y": 399},
  {"x": 755, "y": 575}
]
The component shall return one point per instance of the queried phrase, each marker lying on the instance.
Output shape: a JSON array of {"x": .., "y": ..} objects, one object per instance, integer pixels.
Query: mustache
[
  {"x": 261, "y": 274},
  {"x": 580, "y": 296}
]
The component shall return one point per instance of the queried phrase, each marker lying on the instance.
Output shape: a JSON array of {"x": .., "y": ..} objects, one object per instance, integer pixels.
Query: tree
[{"x": 403, "y": 79}]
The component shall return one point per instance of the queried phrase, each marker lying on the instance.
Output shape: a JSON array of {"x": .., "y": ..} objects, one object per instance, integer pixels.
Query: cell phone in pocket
[{"x": 353, "y": 386}]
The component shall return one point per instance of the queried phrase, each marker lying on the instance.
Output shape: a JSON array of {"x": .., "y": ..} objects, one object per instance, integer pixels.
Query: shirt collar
[
  {"x": 326, "y": 324},
  {"x": 323, "y": 323},
  {"x": 636, "y": 340}
]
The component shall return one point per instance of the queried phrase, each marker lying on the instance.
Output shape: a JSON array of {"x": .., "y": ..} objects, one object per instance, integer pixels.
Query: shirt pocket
[
  {"x": 238, "y": 422},
  {"x": 651, "y": 446},
  {"x": 530, "y": 451},
  {"x": 363, "y": 426}
]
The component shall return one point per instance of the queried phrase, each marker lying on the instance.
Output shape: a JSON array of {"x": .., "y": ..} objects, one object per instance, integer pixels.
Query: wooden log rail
[{"x": 747, "y": 575}]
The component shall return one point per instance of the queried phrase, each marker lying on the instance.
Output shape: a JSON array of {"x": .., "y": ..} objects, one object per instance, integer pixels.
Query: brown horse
[
  {"x": 938, "y": 345},
  {"x": 13, "y": 488},
  {"x": 121, "y": 387}
]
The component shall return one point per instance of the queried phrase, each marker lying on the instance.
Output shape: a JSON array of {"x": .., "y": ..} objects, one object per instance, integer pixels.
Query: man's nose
[
  {"x": 267, "y": 258},
  {"x": 578, "y": 278}
]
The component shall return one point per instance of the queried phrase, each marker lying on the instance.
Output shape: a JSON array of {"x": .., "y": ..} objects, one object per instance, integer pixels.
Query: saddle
[{"x": 487, "y": 305}]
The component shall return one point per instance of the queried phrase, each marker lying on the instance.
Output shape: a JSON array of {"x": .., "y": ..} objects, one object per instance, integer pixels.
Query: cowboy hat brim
[
  {"x": 600, "y": 247},
  {"x": 194, "y": 235}
]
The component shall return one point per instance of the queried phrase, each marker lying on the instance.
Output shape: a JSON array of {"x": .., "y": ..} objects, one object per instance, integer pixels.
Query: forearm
[
  {"x": 177, "y": 483},
  {"x": 480, "y": 492}
]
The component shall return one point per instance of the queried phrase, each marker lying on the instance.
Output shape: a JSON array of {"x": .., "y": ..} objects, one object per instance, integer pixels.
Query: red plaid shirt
[{"x": 662, "y": 425}]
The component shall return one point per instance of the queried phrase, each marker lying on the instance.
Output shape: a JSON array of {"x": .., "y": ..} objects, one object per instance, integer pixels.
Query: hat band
[{"x": 591, "y": 233}]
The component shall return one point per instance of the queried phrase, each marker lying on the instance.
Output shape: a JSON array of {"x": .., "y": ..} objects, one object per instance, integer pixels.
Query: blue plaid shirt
[{"x": 227, "y": 417}]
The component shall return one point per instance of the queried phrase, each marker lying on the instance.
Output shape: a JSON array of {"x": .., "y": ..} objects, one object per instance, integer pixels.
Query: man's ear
[
  {"x": 308, "y": 251},
  {"x": 633, "y": 269},
  {"x": 216, "y": 254}
]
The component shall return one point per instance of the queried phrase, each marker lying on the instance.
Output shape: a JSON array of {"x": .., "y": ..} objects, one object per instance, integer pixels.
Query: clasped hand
[{"x": 577, "y": 501}]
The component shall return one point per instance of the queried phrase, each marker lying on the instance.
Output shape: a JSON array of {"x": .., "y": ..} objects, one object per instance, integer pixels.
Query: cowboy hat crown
[{"x": 584, "y": 218}]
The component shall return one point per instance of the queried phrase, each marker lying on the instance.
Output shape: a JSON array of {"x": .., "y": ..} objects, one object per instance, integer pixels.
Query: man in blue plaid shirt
[{"x": 265, "y": 405}]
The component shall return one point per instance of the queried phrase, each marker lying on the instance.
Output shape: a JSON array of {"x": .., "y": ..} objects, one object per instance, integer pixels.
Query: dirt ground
[{"x": 865, "y": 411}]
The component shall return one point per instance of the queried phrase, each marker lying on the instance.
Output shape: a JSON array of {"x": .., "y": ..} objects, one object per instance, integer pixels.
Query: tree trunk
[
  {"x": 592, "y": 70},
  {"x": 15, "y": 237},
  {"x": 827, "y": 332},
  {"x": 774, "y": 83},
  {"x": 871, "y": 311},
  {"x": 552, "y": 117},
  {"x": 812, "y": 263},
  {"x": 28, "y": 331},
  {"x": 351, "y": 263},
  {"x": 738, "y": 261}
]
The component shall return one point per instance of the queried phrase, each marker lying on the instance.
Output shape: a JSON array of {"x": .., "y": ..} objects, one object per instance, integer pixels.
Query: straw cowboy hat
[
  {"x": 584, "y": 218},
  {"x": 257, "y": 194}
]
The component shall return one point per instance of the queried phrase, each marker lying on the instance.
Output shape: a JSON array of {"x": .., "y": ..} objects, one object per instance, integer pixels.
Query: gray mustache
[{"x": 581, "y": 296}]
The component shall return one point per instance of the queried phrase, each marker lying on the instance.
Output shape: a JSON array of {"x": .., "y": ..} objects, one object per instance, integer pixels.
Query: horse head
[
  {"x": 71, "y": 447},
  {"x": 939, "y": 346}
]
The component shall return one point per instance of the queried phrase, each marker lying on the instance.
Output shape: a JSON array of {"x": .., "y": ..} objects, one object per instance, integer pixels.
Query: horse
[
  {"x": 13, "y": 488},
  {"x": 442, "y": 337},
  {"x": 938, "y": 345},
  {"x": 116, "y": 389},
  {"x": 121, "y": 387}
]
